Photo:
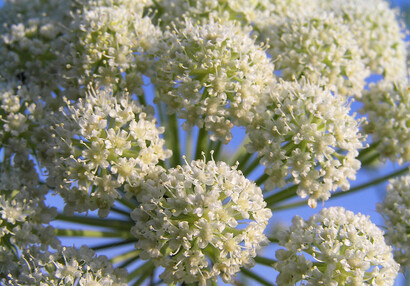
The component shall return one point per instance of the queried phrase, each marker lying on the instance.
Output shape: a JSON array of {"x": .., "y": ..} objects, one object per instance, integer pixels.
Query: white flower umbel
[
  {"x": 24, "y": 220},
  {"x": 245, "y": 11},
  {"x": 108, "y": 39},
  {"x": 317, "y": 46},
  {"x": 377, "y": 30},
  {"x": 305, "y": 133},
  {"x": 66, "y": 266},
  {"x": 344, "y": 249},
  {"x": 199, "y": 221},
  {"x": 107, "y": 140},
  {"x": 212, "y": 75},
  {"x": 387, "y": 106},
  {"x": 396, "y": 211}
]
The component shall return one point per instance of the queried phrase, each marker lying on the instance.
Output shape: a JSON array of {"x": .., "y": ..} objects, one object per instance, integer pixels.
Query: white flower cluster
[
  {"x": 378, "y": 32},
  {"x": 106, "y": 142},
  {"x": 23, "y": 218},
  {"x": 346, "y": 249},
  {"x": 304, "y": 133},
  {"x": 29, "y": 42},
  {"x": 387, "y": 106},
  {"x": 212, "y": 74},
  {"x": 396, "y": 211},
  {"x": 199, "y": 221},
  {"x": 245, "y": 11},
  {"x": 106, "y": 40},
  {"x": 317, "y": 46},
  {"x": 334, "y": 43},
  {"x": 66, "y": 266}
]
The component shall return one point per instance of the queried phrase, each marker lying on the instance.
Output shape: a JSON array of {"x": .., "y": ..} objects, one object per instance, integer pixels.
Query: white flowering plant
[{"x": 126, "y": 109}]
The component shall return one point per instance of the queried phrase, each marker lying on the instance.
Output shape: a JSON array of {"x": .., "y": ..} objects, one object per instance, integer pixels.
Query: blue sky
[{"x": 363, "y": 202}]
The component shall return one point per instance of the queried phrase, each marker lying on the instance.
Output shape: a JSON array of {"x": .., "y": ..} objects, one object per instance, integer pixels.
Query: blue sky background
[{"x": 364, "y": 201}]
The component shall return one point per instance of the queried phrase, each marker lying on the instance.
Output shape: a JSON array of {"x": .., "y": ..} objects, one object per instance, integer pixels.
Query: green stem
[
  {"x": 128, "y": 203},
  {"x": 261, "y": 179},
  {"x": 174, "y": 136},
  {"x": 202, "y": 143},
  {"x": 252, "y": 166},
  {"x": 265, "y": 261},
  {"x": 120, "y": 211},
  {"x": 141, "y": 99},
  {"x": 140, "y": 270},
  {"x": 125, "y": 256},
  {"x": 93, "y": 221},
  {"x": 111, "y": 245},
  {"x": 92, "y": 233},
  {"x": 128, "y": 262},
  {"x": 256, "y": 277},
  {"x": 282, "y": 195},
  {"x": 243, "y": 159},
  {"x": 352, "y": 190},
  {"x": 217, "y": 150},
  {"x": 188, "y": 145},
  {"x": 363, "y": 153}
]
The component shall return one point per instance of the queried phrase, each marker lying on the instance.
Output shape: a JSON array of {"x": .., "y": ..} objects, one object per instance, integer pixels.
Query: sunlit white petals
[
  {"x": 344, "y": 248},
  {"x": 208, "y": 226}
]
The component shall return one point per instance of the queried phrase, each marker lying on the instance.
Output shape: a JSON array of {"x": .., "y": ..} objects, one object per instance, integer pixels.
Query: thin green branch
[
  {"x": 264, "y": 261},
  {"x": 174, "y": 139},
  {"x": 202, "y": 143},
  {"x": 145, "y": 267},
  {"x": 94, "y": 221},
  {"x": 125, "y": 256},
  {"x": 120, "y": 211},
  {"x": 282, "y": 195},
  {"x": 261, "y": 179},
  {"x": 252, "y": 166},
  {"x": 352, "y": 190},
  {"x": 112, "y": 245},
  {"x": 256, "y": 277},
  {"x": 128, "y": 262},
  {"x": 92, "y": 233}
]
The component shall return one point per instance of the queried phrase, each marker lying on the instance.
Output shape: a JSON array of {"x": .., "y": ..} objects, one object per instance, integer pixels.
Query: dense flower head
[
  {"x": 346, "y": 249},
  {"x": 212, "y": 75},
  {"x": 106, "y": 140},
  {"x": 23, "y": 217},
  {"x": 304, "y": 133},
  {"x": 199, "y": 221},
  {"x": 244, "y": 11},
  {"x": 378, "y": 32},
  {"x": 66, "y": 266},
  {"x": 396, "y": 211},
  {"x": 387, "y": 106},
  {"x": 29, "y": 41},
  {"x": 107, "y": 44},
  {"x": 317, "y": 46}
]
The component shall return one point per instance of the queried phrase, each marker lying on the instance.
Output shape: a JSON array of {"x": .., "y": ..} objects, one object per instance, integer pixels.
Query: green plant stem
[
  {"x": 120, "y": 211},
  {"x": 188, "y": 145},
  {"x": 140, "y": 270},
  {"x": 174, "y": 139},
  {"x": 364, "y": 152},
  {"x": 111, "y": 245},
  {"x": 92, "y": 233},
  {"x": 243, "y": 159},
  {"x": 256, "y": 277},
  {"x": 128, "y": 203},
  {"x": 94, "y": 221},
  {"x": 128, "y": 262},
  {"x": 352, "y": 190},
  {"x": 251, "y": 167},
  {"x": 264, "y": 261},
  {"x": 141, "y": 99},
  {"x": 240, "y": 152},
  {"x": 125, "y": 256},
  {"x": 282, "y": 195},
  {"x": 261, "y": 179},
  {"x": 202, "y": 143}
]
